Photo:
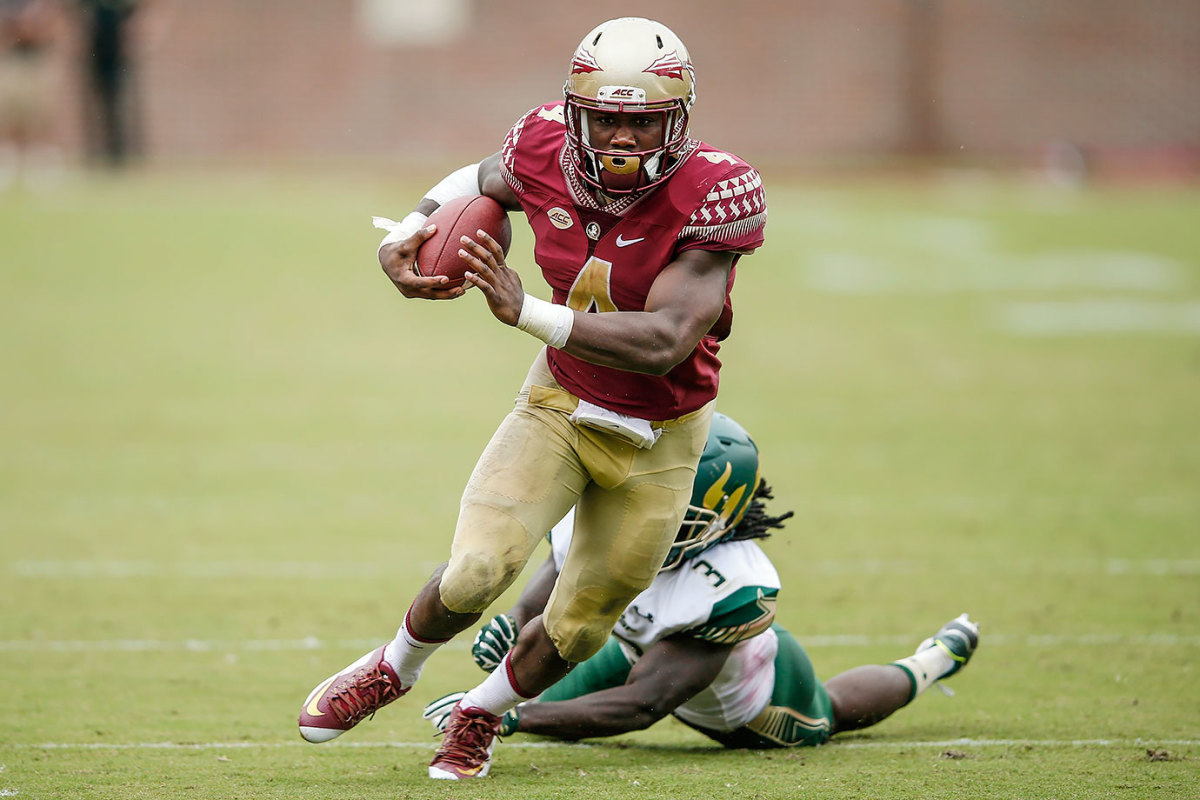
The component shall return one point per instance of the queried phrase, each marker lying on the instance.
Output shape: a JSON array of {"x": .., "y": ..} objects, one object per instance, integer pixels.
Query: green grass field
[{"x": 231, "y": 452}]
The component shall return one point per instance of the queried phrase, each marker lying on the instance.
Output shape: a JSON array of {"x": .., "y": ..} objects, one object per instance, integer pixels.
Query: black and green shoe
[{"x": 958, "y": 638}]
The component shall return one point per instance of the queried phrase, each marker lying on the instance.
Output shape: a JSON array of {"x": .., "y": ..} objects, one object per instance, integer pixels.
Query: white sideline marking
[
  {"x": 309, "y": 570},
  {"x": 1029, "y": 640},
  {"x": 196, "y": 645},
  {"x": 315, "y": 570},
  {"x": 541, "y": 745},
  {"x": 1071, "y": 317},
  {"x": 970, "y": 269},
  {"x": 314, "y": 644},
  {"x": 1023, "y": 743}
]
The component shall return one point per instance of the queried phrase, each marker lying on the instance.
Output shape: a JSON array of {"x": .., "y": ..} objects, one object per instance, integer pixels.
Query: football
[{"x": 460, "y": 217}]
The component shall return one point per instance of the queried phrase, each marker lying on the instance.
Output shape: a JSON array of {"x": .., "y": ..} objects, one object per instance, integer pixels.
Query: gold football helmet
[{"x": 629, "y": 65}]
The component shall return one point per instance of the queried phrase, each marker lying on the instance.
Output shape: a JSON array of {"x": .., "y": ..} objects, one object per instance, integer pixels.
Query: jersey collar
[{"x": 584, "y": 195}]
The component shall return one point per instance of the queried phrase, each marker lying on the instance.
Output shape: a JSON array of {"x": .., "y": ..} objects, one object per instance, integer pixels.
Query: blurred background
[
  {"x": 1107, "y": 86},
  {"x": 230, "y": 452}
]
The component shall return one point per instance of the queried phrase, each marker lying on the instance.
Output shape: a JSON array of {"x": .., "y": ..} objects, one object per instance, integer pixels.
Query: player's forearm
[
  {"x": 684, "y": 302},
  {"x": 633, "y": 341},
  {"x": 607, "y": 713}
]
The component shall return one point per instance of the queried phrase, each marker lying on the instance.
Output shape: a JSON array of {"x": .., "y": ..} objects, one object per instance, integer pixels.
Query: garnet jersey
[
  {"x": 599, "y": 258},
  {"x": 726, "y": 595}
]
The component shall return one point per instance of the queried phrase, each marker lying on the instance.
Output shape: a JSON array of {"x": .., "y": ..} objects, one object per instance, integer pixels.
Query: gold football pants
[{"x": 629, "y": 506}]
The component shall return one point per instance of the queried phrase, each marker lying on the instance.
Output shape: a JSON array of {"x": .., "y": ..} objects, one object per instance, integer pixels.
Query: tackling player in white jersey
[{"x": 701, "y": 643}]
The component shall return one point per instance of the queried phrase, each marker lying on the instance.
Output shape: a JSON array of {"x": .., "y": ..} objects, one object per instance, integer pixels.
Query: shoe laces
[
  {"x": 467, "y": 739},
  {"x": 366, "y": 692}
]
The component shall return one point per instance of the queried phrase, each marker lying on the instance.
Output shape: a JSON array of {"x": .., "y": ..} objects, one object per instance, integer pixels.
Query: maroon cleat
[
  {"x": 467, "y": 745},
  {"x": 345, "y": 699}
]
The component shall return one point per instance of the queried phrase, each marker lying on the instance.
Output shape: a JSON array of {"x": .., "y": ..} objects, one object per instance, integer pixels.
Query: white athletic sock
[
  {"x": 498, "y": 692},
  {"x": 925, "y": 667},
  {"x": 407, "y": 653}
]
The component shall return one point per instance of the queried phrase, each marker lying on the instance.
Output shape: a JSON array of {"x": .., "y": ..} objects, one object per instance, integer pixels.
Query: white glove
[{"x": 438, "y": 712}]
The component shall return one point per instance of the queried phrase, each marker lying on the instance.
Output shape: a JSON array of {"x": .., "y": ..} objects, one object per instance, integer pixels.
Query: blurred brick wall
[{"x": 779, "y": 79}]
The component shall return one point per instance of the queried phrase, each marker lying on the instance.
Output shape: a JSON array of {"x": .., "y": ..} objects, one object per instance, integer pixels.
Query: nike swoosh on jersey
[
  {"x": 623, "y": 242},
  {"x": 317, "y": 695}
]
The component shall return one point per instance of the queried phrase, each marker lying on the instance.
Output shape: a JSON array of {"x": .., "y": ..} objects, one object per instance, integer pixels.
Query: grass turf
[{"x": 232, "y": 452}]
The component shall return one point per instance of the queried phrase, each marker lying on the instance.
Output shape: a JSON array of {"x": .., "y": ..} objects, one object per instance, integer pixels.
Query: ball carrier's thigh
[
  {"x": 526, "y": 480},
  {"x": 625, "y": 522}
]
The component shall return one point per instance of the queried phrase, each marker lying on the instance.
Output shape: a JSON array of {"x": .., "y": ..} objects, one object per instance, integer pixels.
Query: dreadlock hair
[{"x": 755, "y": 523}]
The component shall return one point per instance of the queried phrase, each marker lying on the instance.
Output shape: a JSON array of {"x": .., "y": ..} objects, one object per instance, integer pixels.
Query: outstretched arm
[{"x": 668, "y": 675}]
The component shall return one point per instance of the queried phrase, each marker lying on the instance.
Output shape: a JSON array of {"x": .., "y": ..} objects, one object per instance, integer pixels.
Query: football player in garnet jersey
[
  {"x": 637, "y": 228},
  {"x": 700, "y": 643}
]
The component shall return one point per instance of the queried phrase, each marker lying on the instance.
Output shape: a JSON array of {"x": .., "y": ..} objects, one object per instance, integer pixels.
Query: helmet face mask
[
  {"x": 700, "y": 530},
  {"x": 629, "y": 66},
  {"x": 727, "y": 478},
  {"x": 618, "y": 171}
]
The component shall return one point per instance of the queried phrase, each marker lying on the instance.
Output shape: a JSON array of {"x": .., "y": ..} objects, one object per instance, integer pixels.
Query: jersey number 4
[{"x": 590, "y": 292}]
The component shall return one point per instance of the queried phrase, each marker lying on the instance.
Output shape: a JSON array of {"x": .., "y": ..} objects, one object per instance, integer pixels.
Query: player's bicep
[
  {"x": 676, "y": 669},
  {"x": 690, "y": 291}
]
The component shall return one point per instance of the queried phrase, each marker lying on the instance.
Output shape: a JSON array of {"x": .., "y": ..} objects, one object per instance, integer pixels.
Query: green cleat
[{"x": 958, "y": 638}]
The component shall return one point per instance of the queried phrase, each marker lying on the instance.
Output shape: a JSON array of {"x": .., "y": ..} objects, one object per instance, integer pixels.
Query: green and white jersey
[{"x": 725, "y": 594}]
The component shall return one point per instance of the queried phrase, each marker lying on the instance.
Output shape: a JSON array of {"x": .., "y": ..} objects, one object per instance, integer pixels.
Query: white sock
[
  {"x": 407, "y": 653},
  {"x": 498, "y": 692},
  {"x": 925, "y": 667}
]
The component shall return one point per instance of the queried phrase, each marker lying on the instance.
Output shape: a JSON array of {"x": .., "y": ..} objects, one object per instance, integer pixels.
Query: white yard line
[
  {"x": 193, "y": 645},
  {"x": 1099, "y": 317},
  {"x": 51, "y": 569},
  {"x": 967, "y": 265},
  {"x": 209, "y": 570},
  {"x": 424, "y": 745},
  {"x": 1024, "y": 743},
  {"x": 314, "y": 644}
]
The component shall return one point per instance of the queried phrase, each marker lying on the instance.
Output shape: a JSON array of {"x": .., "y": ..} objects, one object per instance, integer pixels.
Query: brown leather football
[{"x": 462, "y": 216}]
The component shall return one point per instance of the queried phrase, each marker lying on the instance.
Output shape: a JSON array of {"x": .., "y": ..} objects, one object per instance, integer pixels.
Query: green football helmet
[{"x": 726, "y": 480}]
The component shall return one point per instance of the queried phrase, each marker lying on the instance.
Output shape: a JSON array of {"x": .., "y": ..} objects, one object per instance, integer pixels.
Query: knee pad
[
  {"x": 490, "y": 549},
  {"x": 473, "y": 580}
]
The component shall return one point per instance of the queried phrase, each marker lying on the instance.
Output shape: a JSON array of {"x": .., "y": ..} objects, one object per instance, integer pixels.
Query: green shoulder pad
[{"x": 746, "y": 613}]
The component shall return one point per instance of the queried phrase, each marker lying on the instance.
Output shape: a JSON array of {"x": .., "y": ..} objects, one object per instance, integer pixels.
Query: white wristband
[
  {"x": 547, "y": 321},
  {"x": 399, "y": 231}
]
